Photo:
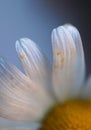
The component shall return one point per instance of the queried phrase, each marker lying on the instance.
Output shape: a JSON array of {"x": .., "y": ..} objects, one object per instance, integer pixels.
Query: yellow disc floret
[{"x": 72, "y": 115}]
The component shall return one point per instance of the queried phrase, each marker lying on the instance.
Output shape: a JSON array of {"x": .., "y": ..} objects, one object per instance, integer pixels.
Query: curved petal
[
  {"x": 20, "y": 98},
  {"x": 34, "y": 62},
  {"x": 66, "y": 62},
  {"x": 13, "y": 125},
  {"x": 79, "y": 53}
]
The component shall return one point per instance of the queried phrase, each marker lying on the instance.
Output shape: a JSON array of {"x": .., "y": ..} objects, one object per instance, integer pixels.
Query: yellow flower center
[{"x": 71, "y": 115}]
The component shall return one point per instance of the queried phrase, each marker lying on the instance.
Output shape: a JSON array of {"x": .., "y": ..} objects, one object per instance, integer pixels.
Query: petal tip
[
  {"x": 24, "y": 43},
  {"x": 17, "y": 44},
  {"x": 71, "y": 27},
  {"x": 20, "y": 41}
]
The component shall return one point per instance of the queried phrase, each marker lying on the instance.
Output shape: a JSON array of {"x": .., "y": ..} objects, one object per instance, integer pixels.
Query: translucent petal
[
  {"x": 17, "y": 125},
  {"x": 79, "y": 53},
  {"x": 20, "y": 98},
  {"x": 34, "y": 62},
  {"x": 18, "y": 128},
  {"x": 65, "y": 64},
  {"x": 86, "y": 89}
]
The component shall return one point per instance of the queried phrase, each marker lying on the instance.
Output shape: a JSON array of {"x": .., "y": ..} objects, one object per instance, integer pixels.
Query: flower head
[{"x": 57, "y": 98}]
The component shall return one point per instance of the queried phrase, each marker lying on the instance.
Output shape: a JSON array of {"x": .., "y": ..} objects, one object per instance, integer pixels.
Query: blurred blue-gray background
[{"x": 35, "y": 19}]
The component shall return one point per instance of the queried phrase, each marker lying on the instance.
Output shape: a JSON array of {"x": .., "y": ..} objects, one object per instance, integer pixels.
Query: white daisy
[{"x": 51, "y": 99}]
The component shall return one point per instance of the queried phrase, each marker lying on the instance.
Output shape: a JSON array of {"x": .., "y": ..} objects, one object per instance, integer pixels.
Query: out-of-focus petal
[
  {"x": 35, "y": 63},
  {"x": 79, "y": 53},
  {"x": 16, "y": 125},
  {"x": 20, "y": 98},
  {"x": 86, "y": 89},
  {"x": 66, "y": 63}
]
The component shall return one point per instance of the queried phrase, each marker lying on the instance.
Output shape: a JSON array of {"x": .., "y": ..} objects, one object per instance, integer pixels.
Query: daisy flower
[{"x": 54, "y": 98}]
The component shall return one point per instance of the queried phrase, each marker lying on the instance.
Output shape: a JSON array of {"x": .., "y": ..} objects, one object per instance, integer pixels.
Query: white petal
[
  {"x": 79, "y": 53},
  {"x": 65, "y": 63},
  {"x": 20, "y": 98},
  {"x": 17, "y": 128},
  {"x": 86, "y": 89},
  {"x": 34, "y": 62},
  {"x": 13, "y": 125}
]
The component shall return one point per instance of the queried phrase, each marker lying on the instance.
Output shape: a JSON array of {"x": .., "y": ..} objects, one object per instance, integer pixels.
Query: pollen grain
[
  {"x": 62, "y": 60},
  {"x": 58, "y": 53},
  {"x": 22, "y": 56}
]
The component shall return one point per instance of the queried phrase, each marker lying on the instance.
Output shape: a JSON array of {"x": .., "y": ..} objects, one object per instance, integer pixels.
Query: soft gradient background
[{"x": 36, "y": 19}]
